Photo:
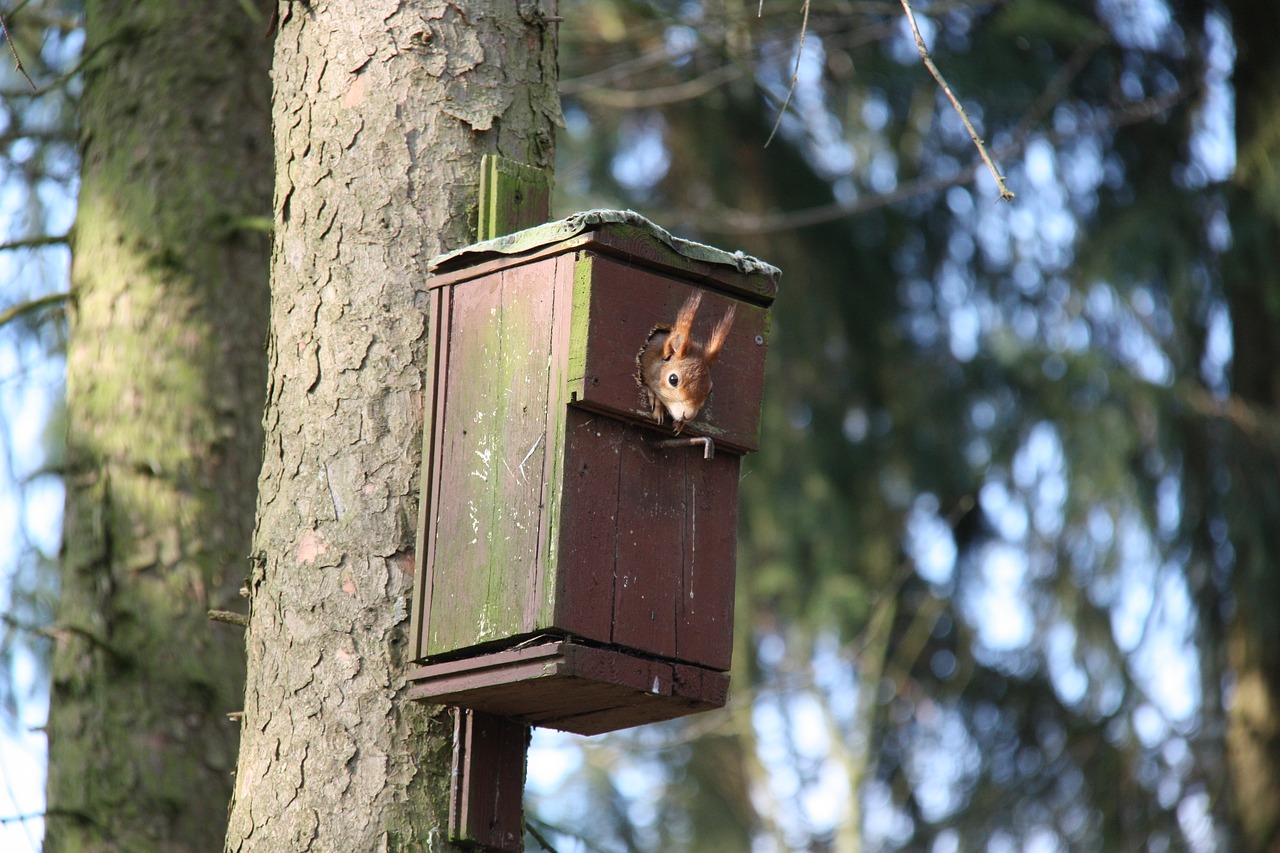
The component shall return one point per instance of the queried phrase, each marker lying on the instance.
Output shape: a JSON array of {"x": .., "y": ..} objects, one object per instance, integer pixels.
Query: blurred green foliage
[{"x": 989, "y": 545}]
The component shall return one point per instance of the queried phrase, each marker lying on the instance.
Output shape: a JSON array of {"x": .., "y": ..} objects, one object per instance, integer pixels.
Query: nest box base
[{"x": 560, "y": 684}]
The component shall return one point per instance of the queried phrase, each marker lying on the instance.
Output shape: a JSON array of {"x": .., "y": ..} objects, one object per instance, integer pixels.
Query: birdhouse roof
[{"x": 622, "y": 229}]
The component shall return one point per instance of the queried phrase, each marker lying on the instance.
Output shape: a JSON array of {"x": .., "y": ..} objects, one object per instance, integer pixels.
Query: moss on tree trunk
[{"x": 166, "y": 373}]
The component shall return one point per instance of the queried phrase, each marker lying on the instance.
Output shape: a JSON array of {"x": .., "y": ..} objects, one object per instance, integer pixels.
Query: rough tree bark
[
  {"x": 165, "y": 380},
  {"x": 382, "y": 110}
]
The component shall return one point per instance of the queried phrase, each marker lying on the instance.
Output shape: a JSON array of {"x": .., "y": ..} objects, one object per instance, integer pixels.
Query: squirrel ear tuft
[
  {"x": 675, "y": 344},
  {"x": 720, "y": 335},
  {"x": 682, "y": 333}
]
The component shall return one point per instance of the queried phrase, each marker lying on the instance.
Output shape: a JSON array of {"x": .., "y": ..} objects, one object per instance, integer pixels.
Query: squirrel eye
[{"x": 673, "y": 380}]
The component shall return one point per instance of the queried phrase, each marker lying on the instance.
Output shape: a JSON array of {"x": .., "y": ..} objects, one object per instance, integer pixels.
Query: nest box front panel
[
  {"x": 615, "y": 307},
  {"x": 647, "y": 542}
]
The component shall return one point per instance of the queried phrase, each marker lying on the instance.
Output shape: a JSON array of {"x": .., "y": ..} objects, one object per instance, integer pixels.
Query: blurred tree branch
[
  {"x": 746, "y": 222},
  {"x": 31, "y": 306}
]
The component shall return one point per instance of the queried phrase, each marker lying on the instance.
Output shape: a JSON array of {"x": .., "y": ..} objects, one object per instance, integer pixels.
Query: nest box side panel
[
  {"x": 624, "y": 303},
  {"x": 484, "y": 540},
  {"x": 438, "y": 314}
]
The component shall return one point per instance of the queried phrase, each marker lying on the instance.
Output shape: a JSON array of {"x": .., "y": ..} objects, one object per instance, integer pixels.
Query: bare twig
[
  {"x": 34, "y": 242},
  {"x": 795, "y": 73},
  {"x": 632, "y": 99},
  {"x": 230, "y": 617},
  {"x": 62, "y": 633},
  {"x": 1005, "y": 193},
  {"x": 19, "y": 625},
  {"x": 17, "y": 61},
  {"x": 14, "y": 312},
  {"x": 14, "y": 818}
]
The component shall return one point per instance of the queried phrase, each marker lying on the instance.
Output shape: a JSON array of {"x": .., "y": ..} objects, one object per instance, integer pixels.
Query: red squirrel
[{"x": 674, "y": 369}]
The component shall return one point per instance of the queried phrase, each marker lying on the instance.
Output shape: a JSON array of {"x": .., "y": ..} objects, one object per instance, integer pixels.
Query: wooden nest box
[{"x": 575, "y": 569}]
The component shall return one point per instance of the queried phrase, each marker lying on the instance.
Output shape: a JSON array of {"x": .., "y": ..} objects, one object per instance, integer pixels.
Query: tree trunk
[
  {"x": 165, "y": 380},
  {"x": 1253, "y": 291},
  {"x": 382, "y": 110}
]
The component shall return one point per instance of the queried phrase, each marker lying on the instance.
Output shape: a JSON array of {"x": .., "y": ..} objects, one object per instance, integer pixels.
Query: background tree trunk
[
  {"x": 1253, "y": 290},
  {"x": 382, "y": 111},
  {"x": 164, "y": 393}
]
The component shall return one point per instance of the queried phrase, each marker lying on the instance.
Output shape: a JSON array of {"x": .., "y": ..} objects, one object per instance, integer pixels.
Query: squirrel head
[{"x": 679, "y": 373}]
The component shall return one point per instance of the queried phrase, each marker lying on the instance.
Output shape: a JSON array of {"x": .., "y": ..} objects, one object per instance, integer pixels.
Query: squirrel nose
[{"x": 684, "y": 413}]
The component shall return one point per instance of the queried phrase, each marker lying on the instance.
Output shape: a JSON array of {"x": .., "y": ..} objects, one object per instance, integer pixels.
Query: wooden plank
[
  {"x": 485, "y": 807},
  {"x": 493, "y": 447},
  {"x": 513, "y": 196},
  {"x": 650, "y": 548},
  {"x": 585, "y": 568},
  {"x": 572, "y": 687},
  {"x": 579, "y": 325},
  {"x": 542, "y": 603},
  {"x": 520, "y": 447},
  {"x": 704, "y": 632},
  {"x": 465, "y": 515},
  {"x": 615, "y": 309},
  {"x": 439, "y": 312},
  {"x": 628, "y": 245}
]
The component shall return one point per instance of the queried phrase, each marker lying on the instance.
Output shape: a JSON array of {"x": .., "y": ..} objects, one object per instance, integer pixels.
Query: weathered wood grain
[
  {"x": 573, "y": 687},
  {"x": 617, "y": 305},
  {"x": 550, "y": 512}
]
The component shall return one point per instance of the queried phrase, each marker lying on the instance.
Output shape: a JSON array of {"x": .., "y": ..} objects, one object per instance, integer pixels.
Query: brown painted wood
[
  {"x": 485, "y": 806},
  {"x": 439, "y": 316},
  {"x": 535, "y": 521},
  {"x": 553, "y": 542},
  {"x": 626, "y": 303},
  {"x": 704, "y": 632},
  {"x": 485, "y": 554},
  {"x": 464, "y": 531},
  {"x": 585, "y": 573},
  {"x": 648, "y": 543},
  {"x": 572, "y": 687},
  {"x": 526, "y": 324},
  {"x": 628, "y": 246},
  {"x": 650, "y": 548},
  {"x": 548, "y": 509}
]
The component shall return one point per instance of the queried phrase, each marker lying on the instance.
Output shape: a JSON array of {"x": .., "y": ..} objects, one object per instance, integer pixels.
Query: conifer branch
[{"x": 1005, "y": 193}]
